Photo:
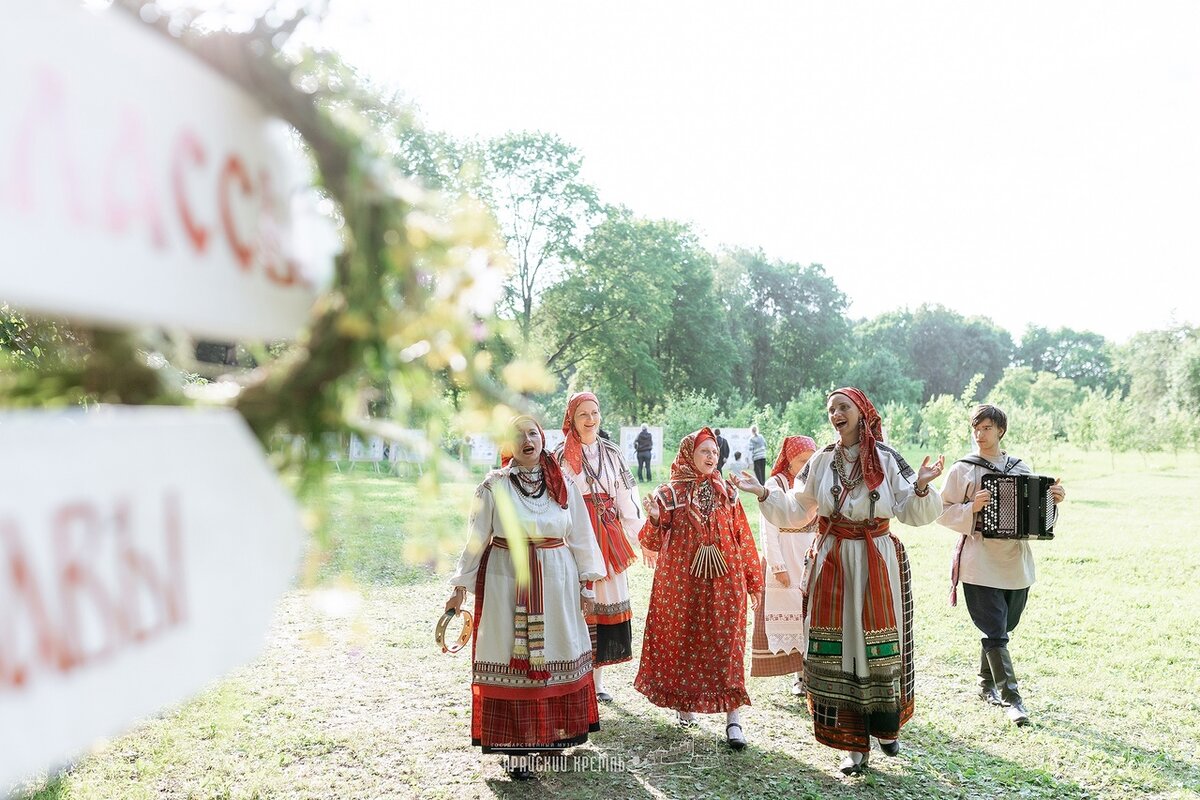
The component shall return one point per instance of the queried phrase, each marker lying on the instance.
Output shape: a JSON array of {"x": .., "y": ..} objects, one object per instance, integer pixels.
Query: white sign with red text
[
  {"x": 137, "y": 186},
  {"x": 142, "y": 553}
]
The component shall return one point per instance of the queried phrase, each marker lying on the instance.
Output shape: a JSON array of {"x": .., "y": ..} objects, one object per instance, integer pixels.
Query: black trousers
[
  {"x": 760, "y": 470},
  {"x": 643, "y": 461},
  {"x": 995, "y": 611}
]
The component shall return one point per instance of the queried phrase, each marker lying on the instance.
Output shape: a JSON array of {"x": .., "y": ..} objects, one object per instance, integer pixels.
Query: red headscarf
[
  {"x": 683, "y": 468},
  {"x": 555, "y": 484},
  {"x": 792, "y": 447},
  {"x": 870, "y": 431},
  {"x": 573, "y": 446}
]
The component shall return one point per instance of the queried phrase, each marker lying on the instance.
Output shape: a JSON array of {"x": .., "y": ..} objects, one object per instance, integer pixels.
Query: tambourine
[{"x": 464, "y": 636}]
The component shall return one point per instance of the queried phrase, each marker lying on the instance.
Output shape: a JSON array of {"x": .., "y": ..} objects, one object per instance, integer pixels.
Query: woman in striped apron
[{"x": 859, "y": 670}]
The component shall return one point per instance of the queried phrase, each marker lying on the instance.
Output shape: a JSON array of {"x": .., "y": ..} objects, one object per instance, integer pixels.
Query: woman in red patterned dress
[{"x": 697, "y": 537}]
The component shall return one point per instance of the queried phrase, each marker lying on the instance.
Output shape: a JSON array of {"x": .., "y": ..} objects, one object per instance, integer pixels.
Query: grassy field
[{"x": 351, "y": 699}]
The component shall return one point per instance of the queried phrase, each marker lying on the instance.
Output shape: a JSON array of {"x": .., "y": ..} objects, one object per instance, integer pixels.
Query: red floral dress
[{"x": 693, "y": 652}]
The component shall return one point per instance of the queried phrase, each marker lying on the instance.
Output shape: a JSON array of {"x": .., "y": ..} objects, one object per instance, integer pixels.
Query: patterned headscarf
[
  {"x": 870, "y": 432},
  {"x": 555, "y": 484},
  {"x": 683, "y": 468},
  {"x": 573, "y": 446},
  {"x": 792, "y": 447}
]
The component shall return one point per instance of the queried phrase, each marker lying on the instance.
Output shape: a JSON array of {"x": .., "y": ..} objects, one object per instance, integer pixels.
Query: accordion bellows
[{"x": 1021, "y": 507}]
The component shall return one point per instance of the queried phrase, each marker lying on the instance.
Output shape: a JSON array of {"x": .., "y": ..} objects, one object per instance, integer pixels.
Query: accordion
[{"x": 1021, "y": 507}]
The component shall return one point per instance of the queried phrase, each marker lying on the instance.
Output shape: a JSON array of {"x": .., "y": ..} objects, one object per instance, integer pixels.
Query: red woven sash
[
  {"x": 878, "y": 613},
  {"x": 606, "y": 522},
  {"x": 529, "y": 620}
]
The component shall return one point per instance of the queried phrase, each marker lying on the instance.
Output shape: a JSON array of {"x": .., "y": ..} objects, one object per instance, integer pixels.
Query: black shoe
[
  {"x": 891, "y": 748},
  {"x": 685, "y": 722},
  {"x": 519, "y": 773},
  {"x": 604, "y": 697},
  {"x": 736, "y": 742}
]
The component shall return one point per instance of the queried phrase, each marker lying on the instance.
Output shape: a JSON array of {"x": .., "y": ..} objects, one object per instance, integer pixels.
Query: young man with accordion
[{"x": 996, "y": 502}]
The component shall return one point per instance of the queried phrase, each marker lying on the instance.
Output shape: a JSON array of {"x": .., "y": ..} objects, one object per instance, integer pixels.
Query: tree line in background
[{"x": 669, "y": 333}]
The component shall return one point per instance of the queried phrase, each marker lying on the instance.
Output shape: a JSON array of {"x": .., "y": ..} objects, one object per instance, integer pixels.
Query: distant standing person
[
  {"x": 722, "y": 450},
  {"x": 758, "y": 454},
  {"x": 644, "y": 445},
  {"x": 996, "y": 573}
]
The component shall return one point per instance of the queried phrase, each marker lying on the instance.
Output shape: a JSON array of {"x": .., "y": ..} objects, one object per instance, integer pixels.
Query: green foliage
[
  {"x": 1119, "y": 426},
  {"x": 1081, "y": 356},
  {"x": 901, "y": 423},
  {"x": 682, "y": 414},
  {"x": 804, "y": 415},
  {"x": 881, "y": 374},
  {"x": 940, "y": 347},
  {"x": 531, "y": 182},
  {"x": 1044, "y": 392},
  {"x": 1030, "y": 430},
  {"x": 1185, "y": 376},
  {"x": 788, "y": 319},
  {"x": 1155, "y": 364},
  {"x": 946, "y": 420},
  {"x": 1085, "y": 422},
  {"x": 602, "y": 322}
]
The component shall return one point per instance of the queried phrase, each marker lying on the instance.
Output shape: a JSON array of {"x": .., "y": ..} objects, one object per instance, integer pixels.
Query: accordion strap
[{"x": 1010, "y": 463}]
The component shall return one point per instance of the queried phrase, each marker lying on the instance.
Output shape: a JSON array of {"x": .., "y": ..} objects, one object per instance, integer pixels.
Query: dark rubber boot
[
  {"x": 987, "y": 684},
  {"x": 1006, "y": 680}
]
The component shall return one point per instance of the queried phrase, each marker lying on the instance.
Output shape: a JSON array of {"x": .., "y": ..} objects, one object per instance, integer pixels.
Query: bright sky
[{"x": 1033, "y": 162}]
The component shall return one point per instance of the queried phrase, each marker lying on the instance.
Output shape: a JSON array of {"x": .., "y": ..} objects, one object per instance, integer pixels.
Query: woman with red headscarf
[
  {"x": 595, "y": 465},
  {"x": 697, "y": 537},
  {"x": 780, "y": 637},
  {"x": 531, "y": 683},
  {"x": 859, "y": 670}
]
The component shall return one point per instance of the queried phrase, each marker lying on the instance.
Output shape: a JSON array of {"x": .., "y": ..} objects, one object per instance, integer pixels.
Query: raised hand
[
  {"x": 747, "y": 482},
  {"x": 928, "y": 472}
]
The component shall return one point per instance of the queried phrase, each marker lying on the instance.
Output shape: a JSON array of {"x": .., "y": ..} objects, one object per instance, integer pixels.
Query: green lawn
[{"x": 352, "y": 700}]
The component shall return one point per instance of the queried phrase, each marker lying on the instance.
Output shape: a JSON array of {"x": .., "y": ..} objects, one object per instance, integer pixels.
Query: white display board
[
  {"x": 629, "y": 436},
  {"x": 483, "y": 449},
  {"x": 739, "y": 441},
  {"x": 412, "y": 449},
  {"x": 370, "y": 450},
  {"x": 554, "y": 437},
  {"x": 141, "y": 187},
  {"x": 136, "y": 571}
]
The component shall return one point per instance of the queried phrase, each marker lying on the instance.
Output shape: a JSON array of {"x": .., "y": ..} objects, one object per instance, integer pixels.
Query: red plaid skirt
[{"x": 542, "y": 723}]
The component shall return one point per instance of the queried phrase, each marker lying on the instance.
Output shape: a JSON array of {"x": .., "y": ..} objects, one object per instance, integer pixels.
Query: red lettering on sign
[
  {"x": 129, "y": 163},
  {"x": 77, "y": 541},
  {"x": 188, "y": 148},
  {"x": 234, "y": 169},
  {"x": 44, "y": 124},
  {"x": 23, "y": 608},
  {"x": 104, "y": 593}
]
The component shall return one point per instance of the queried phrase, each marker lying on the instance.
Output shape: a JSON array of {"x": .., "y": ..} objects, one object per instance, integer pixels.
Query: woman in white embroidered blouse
[
  {"x": 531, "y": 680},
  {"x": 859, "y": 669}
]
